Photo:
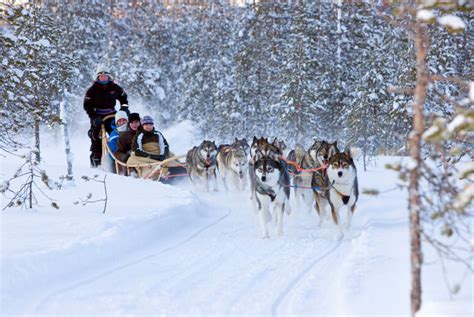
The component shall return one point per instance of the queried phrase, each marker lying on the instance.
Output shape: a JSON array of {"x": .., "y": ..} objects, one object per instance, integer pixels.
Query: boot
[{"x": 95, "y": 159}]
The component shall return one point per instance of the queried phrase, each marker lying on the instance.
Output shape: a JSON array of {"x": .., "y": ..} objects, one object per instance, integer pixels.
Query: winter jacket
[
  {"x": 124, "y": 145},
  {"x": 113, "y": 140},
  {"x": 151, "y": 144},
  {"x": 100, "y": 99}
]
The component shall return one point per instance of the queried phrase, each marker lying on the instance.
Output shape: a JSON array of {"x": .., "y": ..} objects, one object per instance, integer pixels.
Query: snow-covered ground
[{"x": 167, "y": 250}]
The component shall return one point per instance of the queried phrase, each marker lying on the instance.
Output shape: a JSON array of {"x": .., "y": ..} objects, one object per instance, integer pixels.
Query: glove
[
  {"x": 124, "y": 107},
  {"x": 157, "y": 157},
  {"x": 96, "y": 122}
]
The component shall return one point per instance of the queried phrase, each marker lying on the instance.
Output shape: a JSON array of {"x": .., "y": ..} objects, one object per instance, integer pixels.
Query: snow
[
  {"x": 169, "y": 250},
  {"x": 160, "y": 92},
  {"x": 457, "y": 122},
  {"x": 465, "y": 197},
  {"x": 43, "y": 42},
  {"x": 452, "y": 22},
  {"x": 425, "y": 15}
]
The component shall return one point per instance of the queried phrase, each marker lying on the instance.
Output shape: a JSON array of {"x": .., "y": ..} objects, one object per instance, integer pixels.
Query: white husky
[{"x": 232, "y": 161}]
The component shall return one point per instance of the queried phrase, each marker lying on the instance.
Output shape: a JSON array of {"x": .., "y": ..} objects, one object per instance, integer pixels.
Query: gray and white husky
[
  {"x": 315, "y": 158},
  {"x": 232, "y": 160},
  {"x": 271, "y": 192},
  {"x": 243, "y": 144},
  {"x": 201, "y": 164},
  {"x": 343, "y": 189}
]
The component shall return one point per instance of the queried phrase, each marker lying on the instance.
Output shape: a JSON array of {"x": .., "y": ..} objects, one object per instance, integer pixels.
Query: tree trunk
[
  {"x": 37, "y": 137},
  {"x": 67, "y": 144},
  {"x": 414, "y": 201}
]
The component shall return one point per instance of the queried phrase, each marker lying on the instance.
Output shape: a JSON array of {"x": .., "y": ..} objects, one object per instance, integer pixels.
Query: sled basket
[{"x": 161, "y": 170}]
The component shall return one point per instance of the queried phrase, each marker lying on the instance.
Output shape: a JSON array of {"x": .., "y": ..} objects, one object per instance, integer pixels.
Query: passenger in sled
[
  {"x": 148, "y": 146},
  {"x": 120, "y": 140}
]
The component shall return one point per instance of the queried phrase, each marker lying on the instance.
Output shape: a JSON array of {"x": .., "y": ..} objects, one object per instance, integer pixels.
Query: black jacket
[{"x": 100, "y": 99}]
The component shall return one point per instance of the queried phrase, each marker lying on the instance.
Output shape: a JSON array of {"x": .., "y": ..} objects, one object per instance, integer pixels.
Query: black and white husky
[
  {"x": 232, "y": 161},
  {"x": 260, "y": 148},
  {"x": 271, "y": 192},
  {"x": 342, "y": 189},
  {"x": 201, "y": 164}
]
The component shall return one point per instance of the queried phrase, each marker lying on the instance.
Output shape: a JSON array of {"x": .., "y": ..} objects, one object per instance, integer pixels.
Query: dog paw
[{"x": 265, "y": 236}]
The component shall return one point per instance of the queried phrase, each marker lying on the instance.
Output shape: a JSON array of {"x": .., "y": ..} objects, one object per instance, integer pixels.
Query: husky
[
  {"x": 201, "y": 164},
  {"x": 280, "y": 144},
  {"x": 260, "y": 148},
  {"x": 316, "y": 157},
  {"x": 272, "y": 189},
  {"x": 243, "y": 144},
  {"x": 232, "y": 160},
  {"x": 342, "y": 187},
  {"x": 294, "y": 158}
]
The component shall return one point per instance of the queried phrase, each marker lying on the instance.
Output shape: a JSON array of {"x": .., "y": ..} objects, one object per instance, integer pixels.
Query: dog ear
[
  {"x": 353, "y": 152},
  {"x": 275, "y": 140},
  {"x": 254, "y": 139},
  {"x": 236, "y": 140}
]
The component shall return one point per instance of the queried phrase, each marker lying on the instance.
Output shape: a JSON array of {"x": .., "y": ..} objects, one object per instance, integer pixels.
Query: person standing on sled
[
  {"x": 148, "y": 146},
  {"x": 99, "y": 103}
]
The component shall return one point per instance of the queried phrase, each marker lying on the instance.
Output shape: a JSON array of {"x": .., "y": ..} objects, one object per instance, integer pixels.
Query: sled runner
[{"x": 165, "y": 171}]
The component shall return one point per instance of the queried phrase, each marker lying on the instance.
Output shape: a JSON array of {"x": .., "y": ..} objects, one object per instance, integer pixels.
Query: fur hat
[
  {"x": 121, "y": 115},
  {"x": 134, "y": 116},
  {"x": 103, "y": 70},
  {"x": 147, "y": 120}
]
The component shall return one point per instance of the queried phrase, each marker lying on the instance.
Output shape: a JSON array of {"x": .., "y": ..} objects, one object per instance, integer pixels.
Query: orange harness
[{"x": 308, "y": 170}]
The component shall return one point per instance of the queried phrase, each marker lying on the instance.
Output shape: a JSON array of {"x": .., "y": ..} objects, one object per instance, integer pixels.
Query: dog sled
[{"x": 166, "y": 171}]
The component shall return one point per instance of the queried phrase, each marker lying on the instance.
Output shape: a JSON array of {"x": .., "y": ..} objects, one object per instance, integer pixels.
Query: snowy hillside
[{"x": 162, "y": 249}]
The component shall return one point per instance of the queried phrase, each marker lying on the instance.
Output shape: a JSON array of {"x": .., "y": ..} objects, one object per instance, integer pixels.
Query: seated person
[
  {"x": 148, "y": 146},
  {"x": 124, "y": 144},
  {"x": 120, "y": 125}
]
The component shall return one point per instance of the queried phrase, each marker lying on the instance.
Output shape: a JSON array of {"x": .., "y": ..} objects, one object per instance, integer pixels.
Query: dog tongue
[{"x": 208, "y": 161}]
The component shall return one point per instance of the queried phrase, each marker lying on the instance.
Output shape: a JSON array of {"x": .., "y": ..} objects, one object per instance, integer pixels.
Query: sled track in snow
[
  {"x": 298, "y": 278},
  {"x": 355, "y": 234},
  {"x": 129, "y": 264}
]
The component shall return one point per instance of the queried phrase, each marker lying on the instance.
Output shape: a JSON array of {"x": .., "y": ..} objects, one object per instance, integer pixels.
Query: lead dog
[
  {"x": 272, "y": 189},
  {"x": 316, "y": 157},
  {"x": 343, "y": 188},
  {"x": 201, "y": 164},
  {"x": 260, "y": 148}
]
